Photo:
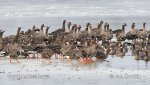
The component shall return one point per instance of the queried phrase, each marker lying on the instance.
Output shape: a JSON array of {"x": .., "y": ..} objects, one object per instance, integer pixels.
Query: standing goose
[
  {"x": 75, "y": 54},
  {"x": 101, "y": 54},
  {"x": 120, "y": 52},
  {"x": 98, "y": 29},
  {"x": 112, "y": 50},
  {"x": 66, "y": 47},
  {"x": 13, "y": 48},
  {"x": 148, "y": 40},
  {"x": 42, "y": 26},
  {"x": 88, "y": 30},
  {"x": 69, "y": 26},
  {"x": 107, "y": 33},
  {"x": 59, "y": 31},
  {"x": 1, "y": 39},
  {"x": 143, "y": 32},
  {"x": 120, "y": 33},
  {"x": 100, "y": 26},
  {"x": 47, "y": 53},
  {"x": 38, "y": 37},
  {"x": 132, "y": 34},
  {"x": 147, "y": 56},
  {"x": 46, "y": 32}
]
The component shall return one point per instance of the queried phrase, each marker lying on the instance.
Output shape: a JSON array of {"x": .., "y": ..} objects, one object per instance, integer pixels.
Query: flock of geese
[{"x": 84, "y": 44}]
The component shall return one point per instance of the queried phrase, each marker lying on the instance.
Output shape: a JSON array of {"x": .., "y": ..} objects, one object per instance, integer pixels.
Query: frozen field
[{"x": 124, "y": 71}]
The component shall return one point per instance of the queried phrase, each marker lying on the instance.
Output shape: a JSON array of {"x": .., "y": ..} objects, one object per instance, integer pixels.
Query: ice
[
  {"x": 64, "y": 73},
  {"x": 70, "y": 8}
]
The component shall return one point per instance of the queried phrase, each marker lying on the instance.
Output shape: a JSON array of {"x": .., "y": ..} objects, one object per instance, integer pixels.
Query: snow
[{"x": 58, "y": 72}]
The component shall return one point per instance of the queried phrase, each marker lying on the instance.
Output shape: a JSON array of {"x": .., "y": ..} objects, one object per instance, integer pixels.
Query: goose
[
  {"x": 101, "y": 54},
  {"x": 42, "y": 26},
  {"x": 13, "y": 48},
  {"x": 88, "y": 30},
  {"x": 132, "y": 34},
  {"x": 31, "y": 31},
  {"x": 46, "y": 32},
  {"x": 69, "y": 26},
  {"x": 136, "y": 55},
  {"x": 24, "y": 39},
  {"x": 47, "y": 53},
  {"x": 38, "y": 37},
  {"x": 142, "y": 53},
  {"x": 147, "y": 56},
  {"x": 120, "y": 33},
  {"x": 142, "y": 33},
  {"x": 111, "y": 50},
  {"x": 97, "y": 30},
  {"x": 59, "y": 31},
  {"x": 148, "y": 37},
  {"x": 105, "y": 43},
  {"x": 75, "y": 54},
  {"x": 66, "y": 47},
  {"x": 120, "y": 52},
  {"x": 78, "y": 31},
  {"x": 107, "y": 33},
  {"x": 1, "y": 39},
  {"x": 93, "y": 51},
  {"x": 100, "y": 26}
]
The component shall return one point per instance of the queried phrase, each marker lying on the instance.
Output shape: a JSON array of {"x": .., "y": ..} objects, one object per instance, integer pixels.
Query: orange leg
[
  {"x": 17, "y": 61},
  {"x": 42, "y": 60},
  {"x": 55, "y": 56},
  {"x": 49, "y": 61},
  {"x": 84, "y": 60},
  {"x": 80, "y": 61},
  {"x": 62, "y": 57},
  {"x": 37, "y": 56},
  {"x": 10, "y": 61},
  {"x": 70, "y": 60},
  {"x": 90, "y": 60}
]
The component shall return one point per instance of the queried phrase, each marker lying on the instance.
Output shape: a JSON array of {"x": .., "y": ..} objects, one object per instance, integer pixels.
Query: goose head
[
  {"x": 64, "y": 21},
  {"x": 42, "y": 25},
  {"x": 79, "y": 27},
  {"x": 33, "y": 27},
  {"x": 1, "y": 32},
  {"x": 101, "y": 22},
  {"x": 133, "y": 25},
  {"x": 73, "y": 27},
  {"x": 123, "y": 26},
  {"x": 63, "y": 26},
  {"x": 87, "y": 25},
  {"x": 105, "y": 26},
  {"x": 69, "y": 24},
  {"x": 144, "y": 25},
  {"x": 19, "y": 28}
]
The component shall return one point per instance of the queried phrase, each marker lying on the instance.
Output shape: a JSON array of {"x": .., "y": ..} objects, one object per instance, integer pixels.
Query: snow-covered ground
[{"x": 118, "y": 71}]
